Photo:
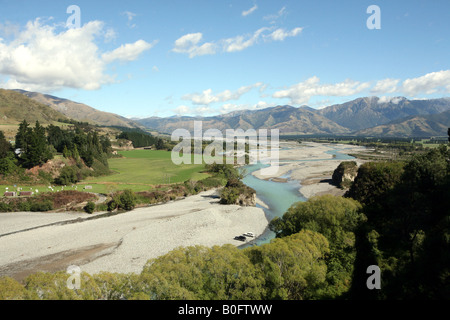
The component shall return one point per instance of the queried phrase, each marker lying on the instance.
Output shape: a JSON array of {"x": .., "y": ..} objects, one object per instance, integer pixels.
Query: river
[{"x": 279, "y": 196}]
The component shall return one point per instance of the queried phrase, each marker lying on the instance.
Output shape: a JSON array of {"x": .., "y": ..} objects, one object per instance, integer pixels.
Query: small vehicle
[
  {"x": 240, "y": 238},
  {"x": 249, "y": 234}
]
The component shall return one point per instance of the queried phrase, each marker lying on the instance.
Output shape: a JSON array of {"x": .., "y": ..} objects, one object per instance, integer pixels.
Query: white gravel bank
[{"x": 133, "y": 237}]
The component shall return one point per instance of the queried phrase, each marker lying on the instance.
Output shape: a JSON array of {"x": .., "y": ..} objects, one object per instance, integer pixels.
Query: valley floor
[
  {"x": 32, "y": 242},
  {"x": 312, "y": 164}
]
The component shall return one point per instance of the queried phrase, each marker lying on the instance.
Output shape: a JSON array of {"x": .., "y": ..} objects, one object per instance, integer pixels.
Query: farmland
[{"x": 137, "y": 170}]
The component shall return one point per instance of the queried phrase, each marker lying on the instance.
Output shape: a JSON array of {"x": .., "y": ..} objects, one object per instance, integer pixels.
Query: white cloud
[
  {"x": 204, "y": 98},
  {"x": 240, "y": 43},
  {"x": 130, "y": 16},
  {"x": 249, "y": 11},
  {"x": 281, "y": 34},
  {"x": 182, "y": 110},
  {"x": 9, "y": 29},
  {"x": 385, "y": 86},
  {"x": 128, "y": 52},
  {"x": 201, "y": 110},
  {"x": 189, "y": 44},
  {"x": 273, "y": 17},
  {"x": 428, "y": 84},
  {"x": 110, "y": 35},
  {"x": 387, "y": 99},
  {"x": 302, "y": 92},
  {"x": 230, "y": 107},
  {"x": 207, "y": 97},
  {"x": 44, "y": 58}
]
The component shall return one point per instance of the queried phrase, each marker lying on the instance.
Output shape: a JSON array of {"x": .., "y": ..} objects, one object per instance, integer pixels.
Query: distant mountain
[
  {"x": 369, "y": 116},
  {"x": 363, "y": 116},
  {"x": 289, "y": 120},
  {"x": 369, "y": 112},
  {"x": 413, "y": 126},
  {"x": 15, "y": 107},
  {"x": 79, "y": 111}
]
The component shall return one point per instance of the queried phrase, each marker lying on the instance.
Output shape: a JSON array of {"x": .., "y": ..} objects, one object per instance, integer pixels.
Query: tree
[
  {"x": 68, "y": 175},
  {"x": 66, "y": 152},
  {"x": 33, "y": 144},
  {"x": 159, "y": 145},
  {"x": 407, "y": 232},
  {"x": 7, "y": 164},
  {"x": 5, "y": 146},
  {"x": 373, "y": 180},
  {"x": 10, "y": 289},
  {"x": 336, "y": 218},
  {"x": 217, "y": 273},
  {"x": 293, "y": 266},
  {"x": 21, "y": 136}
]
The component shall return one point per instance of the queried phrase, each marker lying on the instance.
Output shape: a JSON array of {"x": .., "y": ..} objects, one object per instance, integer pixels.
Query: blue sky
[{"x": 162, "y": 58}]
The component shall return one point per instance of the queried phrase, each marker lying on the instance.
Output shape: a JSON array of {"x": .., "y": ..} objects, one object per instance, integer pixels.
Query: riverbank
[
  {"x": 123, "y": 242},
  {"x": 312, "y": 165}
]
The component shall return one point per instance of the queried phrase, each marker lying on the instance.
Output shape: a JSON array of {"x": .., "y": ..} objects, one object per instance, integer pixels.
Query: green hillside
[{"x": 15, "y": 107}]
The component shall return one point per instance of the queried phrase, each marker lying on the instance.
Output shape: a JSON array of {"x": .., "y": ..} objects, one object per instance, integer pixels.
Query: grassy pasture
[{"x": 138, "y": 170}]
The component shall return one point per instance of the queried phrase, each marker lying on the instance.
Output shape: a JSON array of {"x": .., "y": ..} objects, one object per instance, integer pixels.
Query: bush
[
  {"x": 41, "y": 206},
  {"x": 67, "y": 176},
  {"x": 112, "y": 205},
  {"x": 127, "y": 200},
  {"x": 4, "y": 207},
  {"x": 24, "y": 206},
  {"x": 89, "y": 207},
  {"x": 233, "y": 191},
  {"x": 7, "y": 166}
]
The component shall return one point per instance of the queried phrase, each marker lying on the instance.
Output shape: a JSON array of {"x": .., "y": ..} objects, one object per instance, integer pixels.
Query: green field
[{"x": 138, "y": 170}]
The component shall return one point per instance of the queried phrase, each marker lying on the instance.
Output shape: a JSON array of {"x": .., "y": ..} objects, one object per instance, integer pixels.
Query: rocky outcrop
[
  {"x": 247, "y": 200},
  {"x": 235, "y": 192},
  {"x": 345, "y": 174}
]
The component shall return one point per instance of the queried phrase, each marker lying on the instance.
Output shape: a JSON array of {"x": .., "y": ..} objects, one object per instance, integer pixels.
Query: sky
[{"x": 164, "y": 58}]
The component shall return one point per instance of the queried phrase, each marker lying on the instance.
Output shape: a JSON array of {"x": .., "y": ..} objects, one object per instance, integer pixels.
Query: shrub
[
  {"x": 112, "y": 205},
  {"x": 24, "y": 206},
  {"x": 7, "y": 166},
  {"x": 67, "y": 176},
  {"x": 127, "y": 200},
  {"x": 89, "y": 207},
  {"x": 41, "y": 206},
  {"x": 5, "y": 207}
]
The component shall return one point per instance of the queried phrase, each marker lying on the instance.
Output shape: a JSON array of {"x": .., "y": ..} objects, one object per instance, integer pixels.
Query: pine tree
[
  {"x": 66, "y": 152},
  {"x": 5, "y": 146},
  {"x": 37, "y": 151},
  {"x": 21, "y": 136},
  {"x": 75, "y": 153}
]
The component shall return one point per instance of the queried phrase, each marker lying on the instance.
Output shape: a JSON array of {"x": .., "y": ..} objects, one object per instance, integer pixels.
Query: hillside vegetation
[{"x": 15, "y": 107}]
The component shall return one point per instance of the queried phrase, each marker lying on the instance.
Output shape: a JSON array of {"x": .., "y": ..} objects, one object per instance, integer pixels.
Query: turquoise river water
[{"x": 279, "y": 196}]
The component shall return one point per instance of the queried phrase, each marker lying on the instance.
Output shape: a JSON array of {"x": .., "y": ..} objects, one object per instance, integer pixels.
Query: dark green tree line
[{"x": 407, "y": 233}]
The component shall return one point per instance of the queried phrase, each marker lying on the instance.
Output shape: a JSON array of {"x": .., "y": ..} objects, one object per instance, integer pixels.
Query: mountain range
[{"x": 367, "y": 116}]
